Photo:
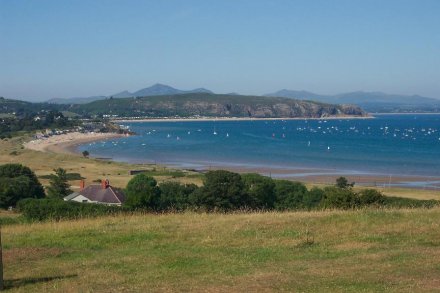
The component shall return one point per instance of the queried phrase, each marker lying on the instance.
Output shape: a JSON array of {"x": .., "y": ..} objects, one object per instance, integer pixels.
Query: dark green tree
[
  {"x": 59, "y": 187},
  {"x": 85, "y": 154},
  {"x": 142, "y": 192},
  {"x": 18, "y": 182},
  {"x": 222, "y": 190},
  {"x": 342, "y": 182},
  {"x": 175, "y": 196},
  {"x": 260, "y": 191},
  {"x": 371, "y": 197},
  {"x": 313, "y": 198},
  {"x": 289, "y": 195},
  {"x": 339, "y": 198}
]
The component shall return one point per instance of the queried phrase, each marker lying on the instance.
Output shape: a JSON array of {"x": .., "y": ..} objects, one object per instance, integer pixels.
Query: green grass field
[
  {"x": 324, "y": 251},
  {"x": 366, "y": 250}
]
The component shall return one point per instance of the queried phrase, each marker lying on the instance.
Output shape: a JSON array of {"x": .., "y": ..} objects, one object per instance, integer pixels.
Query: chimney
[
  {"x": 82, "y": 184},
  {"x": 105, "y": 183}
]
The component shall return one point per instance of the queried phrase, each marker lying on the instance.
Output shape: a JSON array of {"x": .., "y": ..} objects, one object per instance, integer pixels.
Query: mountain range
[
  {"x": 369, "y": 101},
  {"x": 154, "y": 90}
]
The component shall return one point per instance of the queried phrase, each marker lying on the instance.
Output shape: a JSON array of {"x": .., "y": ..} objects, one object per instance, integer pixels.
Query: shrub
[
  {"x": 401, "y": 202},
  {"x": 339, "y": 198},
  {"x": 18, "y": 182},
  {"x": 222, "y": 190},
  {"x": 313, "y": 198},
  {"x": 175, "y": 196},
  {"x": 142, "y": 192},
  {"x": 55, "y": 209},
  {"x": 370, "y": 197},
  {"x": 260, "y": 191},
  {"x": 289, "y": 195}
]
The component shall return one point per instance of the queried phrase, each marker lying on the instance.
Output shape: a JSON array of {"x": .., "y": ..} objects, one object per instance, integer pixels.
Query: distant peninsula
[{"x": 214, "y": 105}]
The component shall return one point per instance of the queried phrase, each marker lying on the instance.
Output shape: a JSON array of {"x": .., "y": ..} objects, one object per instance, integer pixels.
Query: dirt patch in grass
[
  {"x": 29, "y": 254},
  {"x": 354, "y": 246}
]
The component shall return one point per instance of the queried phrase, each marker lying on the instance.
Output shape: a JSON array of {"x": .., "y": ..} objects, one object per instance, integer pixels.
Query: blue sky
[{"x": 82, "y": 48}]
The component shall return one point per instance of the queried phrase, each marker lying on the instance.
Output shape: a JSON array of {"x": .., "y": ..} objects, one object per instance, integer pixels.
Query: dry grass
[
  {"x": 44, "y": 163},
  {"x": 366, "y": 250}
]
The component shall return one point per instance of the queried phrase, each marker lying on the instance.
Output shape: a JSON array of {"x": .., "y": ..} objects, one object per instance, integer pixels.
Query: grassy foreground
[{"x": 366, "y": 250}]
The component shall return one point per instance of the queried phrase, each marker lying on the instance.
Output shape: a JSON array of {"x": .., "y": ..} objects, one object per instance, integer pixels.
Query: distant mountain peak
[
  {"x": 159, "y": 89},
  {"x": 370, "y": 101},
  {"x": 123, "y": 94}
]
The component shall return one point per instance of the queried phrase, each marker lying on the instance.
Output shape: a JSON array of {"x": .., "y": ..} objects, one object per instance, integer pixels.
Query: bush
[
  {"x": 313, "y": 198},
  {"x": 142, "y": 192},
  {"x": 370, "y": 197},
  {"x": 175, "y": 196},
  {"x": 18, "y": 182},
  {"x": 55, "y": 209},
  {"x": 335, "y": 197},
  {"x": 401, "y": 202},
  {"x": 222, "y": 190},
  {"x": 260, "y": 191},
  {"x": 289, "y": 195}
]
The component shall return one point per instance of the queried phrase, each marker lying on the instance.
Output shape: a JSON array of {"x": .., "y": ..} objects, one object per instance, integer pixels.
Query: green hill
[
  {"x": 213, "y": 105},
  {"x": 9, "y": 106}
]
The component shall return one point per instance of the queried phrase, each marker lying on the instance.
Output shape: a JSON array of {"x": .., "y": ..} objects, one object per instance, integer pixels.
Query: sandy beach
[{"x": 66, "y": 143}]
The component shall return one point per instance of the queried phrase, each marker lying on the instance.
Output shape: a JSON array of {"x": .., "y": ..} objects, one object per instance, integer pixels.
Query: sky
[{"x": 60, "y": 49}]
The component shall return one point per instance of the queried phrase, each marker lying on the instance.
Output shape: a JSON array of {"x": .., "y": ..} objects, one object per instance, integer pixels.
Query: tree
[
  {"x": 142, "y": 192},
  {"x": 59, "y": 186},
  {"x": 339, "y": 198},
  {"x": 342, "y": 182},
  {"x": 174, "y": 195},
  {"x": 289, "y": 195},
  {"x": 260, "y": 191},
  {"x": 85, "y": 154},
  {"x": 18, "y": 182},
  {"x": 313, "y": 198},
  {"x": 222, "y": 190},
  {"x": 370, "y": 197}
]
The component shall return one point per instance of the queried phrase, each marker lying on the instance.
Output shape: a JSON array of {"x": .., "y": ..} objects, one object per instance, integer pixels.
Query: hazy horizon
[{"x": 56, "y": 49}]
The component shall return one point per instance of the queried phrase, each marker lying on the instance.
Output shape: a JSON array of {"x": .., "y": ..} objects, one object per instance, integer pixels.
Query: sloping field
[{"x": 366, "y": 250}]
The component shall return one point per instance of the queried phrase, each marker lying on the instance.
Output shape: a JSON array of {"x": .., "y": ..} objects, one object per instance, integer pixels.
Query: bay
[{"x": 389, "y": 145}]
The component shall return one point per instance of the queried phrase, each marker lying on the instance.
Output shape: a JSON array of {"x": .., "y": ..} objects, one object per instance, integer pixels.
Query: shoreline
[
  {"x": 235, "y": 119},
  {"x": 67, "y": 143}
]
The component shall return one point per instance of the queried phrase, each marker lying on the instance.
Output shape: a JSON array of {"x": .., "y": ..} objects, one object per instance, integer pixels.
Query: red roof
[{"x": 109, "y": 194}]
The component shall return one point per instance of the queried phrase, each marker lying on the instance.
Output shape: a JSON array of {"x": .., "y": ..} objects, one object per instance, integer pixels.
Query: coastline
[
  {"x": 236, "y": 119},
  {"x": 67, "y": 143}
]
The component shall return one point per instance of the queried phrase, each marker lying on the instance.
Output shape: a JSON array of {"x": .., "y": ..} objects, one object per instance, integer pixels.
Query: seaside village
[{"x": 86, "y": 127}]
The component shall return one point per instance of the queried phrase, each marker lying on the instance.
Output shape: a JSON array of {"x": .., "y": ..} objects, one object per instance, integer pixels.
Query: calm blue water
[{"x": 388, "y": 144}]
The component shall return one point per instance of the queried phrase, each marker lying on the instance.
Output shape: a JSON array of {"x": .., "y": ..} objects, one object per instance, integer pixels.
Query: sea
[{"x": 393, "y": 145}]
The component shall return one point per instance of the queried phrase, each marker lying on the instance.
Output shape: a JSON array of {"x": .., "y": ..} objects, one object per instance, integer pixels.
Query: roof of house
[
  {"x": 96, "y": 192},
  {"x": 71, "y": 196}
]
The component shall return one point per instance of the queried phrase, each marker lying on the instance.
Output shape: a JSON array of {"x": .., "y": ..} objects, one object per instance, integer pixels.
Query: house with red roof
[{"x": 102, "y": 193}]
